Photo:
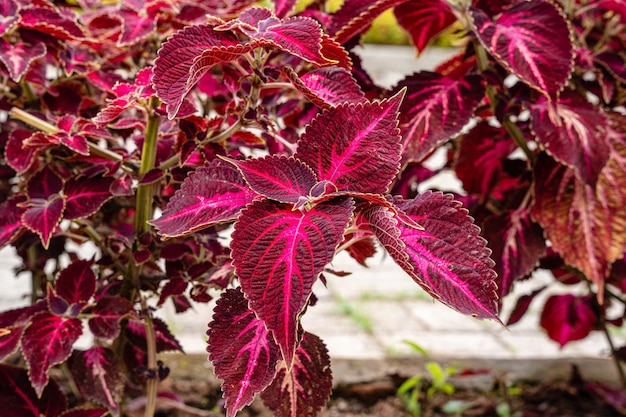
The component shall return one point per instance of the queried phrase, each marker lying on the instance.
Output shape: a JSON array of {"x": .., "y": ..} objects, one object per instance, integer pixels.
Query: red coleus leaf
[
  {"x": 77, "y": 282},
  {"x": 447, "y": 258},
  {"x": 531, "y": 39},
  {"x": 327, "y": 86},
  {"x": 19, "y": 399},
  {"x": 85, "y": 196},
  {"x": 213, "y": 194},
  {"x": 107, "y": 314},
  {"x": 568, "y": 317},
  {"x": 165, "y": 340},
  {"x": 187, "y": 56},
  {"x": 12, "y": 324},
  {"x": 479, "y": 161},
  {"x": 242, "y": 350},
  {"x": 283, "y": 7},
  {"x": 278, "y": 253},
  {"x": 424, "y": 19},
  {"x": 8, "y": 15},
  {"x": 18, "y": 157},
  {"x": 279, "y": 178},
  {"x": 585, "y": 225},
  {"x": 522, "y": 305},
  {"x": 517, "y": 244},
  {"x": 355, "y": 146},
  {"x": 136, "y": 27},
  {"x": 47, "y": 341},
  {"x": 98, "y": 376},
  {"x": 303, "y": 389},
  {"x": 18, "y": 57},
  {"x": 11, "y": 219},
  {"x": 435, "y": 109},
  {"x": 574, "y": 132},
  {"x": 613, "y": 62},
  {"x": 356, "y": 16},
  {"x": 51, "y": 21}
]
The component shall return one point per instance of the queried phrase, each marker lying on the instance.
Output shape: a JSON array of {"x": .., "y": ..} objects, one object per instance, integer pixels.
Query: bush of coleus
[{"x": 149, "y": 131}]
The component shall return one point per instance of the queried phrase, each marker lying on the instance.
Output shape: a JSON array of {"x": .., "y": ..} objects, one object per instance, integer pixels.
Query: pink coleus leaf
[
  {"x": 447, "y": 258},
  {"x": 574, "y": 132},
  {"x": 12, "y": 325},
  {"x": 242, "y": 350},
  {"x": 355, "y": 146},
  {"x": 213, "y": 194},
  {"x": 327, "y": 86},
  {"x": 47, "y": 341},
  {"x": 85, "y": 196},
  {"x": 585, "y": 225},
  {"x": 8, "y": 15},
  {"x": 303, "y": 389},
  {"x": 186, "y": 57},
  {"x": 531, "y": 39},
  {"x": 51, "y": 21},
  {"x": 19, "y": 399},
  {"x": 77, "y": 282},
  {"x": 279, "y": 178},
  {"x": 18, "y": 57},
  {"x": 517, "y": 244},
  {"x": 435, "y": 110},
  {"x": 136, "y": 27},
  {"x": 18, "y": 157},
  {"x": 356, "y": 16},
  {"x": 98, "y": 376},
  {"x": 283, "y": 7},
  {"x": 278, "y": 253},
  {"x": 424, "y": 19},
  {"x": 567, "y": 317},
  {"x": 11, "y": 225},
  {"x": 107, "y": 314}
]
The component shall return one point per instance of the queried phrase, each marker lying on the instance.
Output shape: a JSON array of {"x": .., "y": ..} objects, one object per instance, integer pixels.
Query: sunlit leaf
[{"x": 424, "y": 19}]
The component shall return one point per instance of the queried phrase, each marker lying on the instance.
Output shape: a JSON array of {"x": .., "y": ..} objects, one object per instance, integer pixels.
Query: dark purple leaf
[
  {"x": 242, "y": 350},
  {"x": 435, "y": 110},
  {"x": 107, "y": 314},
  {"x": 172, "y": 288},
  {"x": 517, "y": 243},
  {"x": 43, "y": 216},
  {"x": 47, "y": 341},
  {"x": 85, "y": 196},
  {"x": 213, "y": 194},
  {"x": 355, "y": 146},
  {"x": 574, "y": 132},
  {"x": 424, "y": 19},
  {"x": 521, "y": 306},
  {"x": 77, "y": 282},
  {"x": 279, "y": 178},
  {"x": 11, "y": 219},
  {"x": 567, "y": 317},
  {"x": 613, "y": 63},
  {"x": 18, "y": 157},
  {"x": 19, "y": 399},
  {"x": 98, "y": 376},
  {"x": 303, "y": 389},
  {"x": 18, "y": 58},
  {"x": 8, "y": 15},
  {"x": 532, "y": 40},
  {"x": 327, "y": 86},
  {"x": 448, "y": 258},
  {"x": 278, "y": 253}
]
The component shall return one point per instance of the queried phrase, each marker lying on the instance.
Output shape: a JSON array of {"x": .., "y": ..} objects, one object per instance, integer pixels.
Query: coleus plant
[{"x": 153, "y": 129}]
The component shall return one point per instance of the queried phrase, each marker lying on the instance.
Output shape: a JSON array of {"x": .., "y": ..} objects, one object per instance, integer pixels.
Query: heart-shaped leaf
[
  {"x": 107, "y": 314},
  {"x": 566, "y": 318},
  {"x": 77, "y": 282},
  {"x": 278, "y": 253},
  {"x": 43, "y": 216},
  {"x": 531, "y": 39},
  {"x": 17, "y": 58},
  {"x": 213, "y": 194},
  {"x": 98, "y": 376},
  {"x": 242, "y": 350},
  {"x": 435, "y": 110},
  {"x": 85, "y": 196},
  {"x": 355, "y": 146},
  {"x": 283, "y": 179},
  {"x": 186, "y": 56},
  {"x": 19, "y": 399},
  {"x": 424, "y": 19},
  {"x": 47, "y": 341},
  {"x": 304, "y": 389},
  {"x": 447, "y": 258},
  {"x": 327, "y": 86},
  {"x": 574, "y": 132}
]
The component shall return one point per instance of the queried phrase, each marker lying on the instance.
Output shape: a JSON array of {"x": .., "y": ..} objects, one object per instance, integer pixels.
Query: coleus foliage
[{"x": 117, "y": 110}]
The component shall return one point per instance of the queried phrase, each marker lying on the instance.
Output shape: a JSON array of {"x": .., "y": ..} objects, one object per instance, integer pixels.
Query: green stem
[
  {"x": 143, "y": 205},
  {"x": 616, "y": 360},
  {"x": 152, "y": 384}
]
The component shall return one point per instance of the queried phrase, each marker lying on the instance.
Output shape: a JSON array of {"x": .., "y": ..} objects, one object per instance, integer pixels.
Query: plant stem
[
  {"x": 618, "y": 365},
  {"x": 145, "y": 193},
  {"x": 152, "y": 384}
]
